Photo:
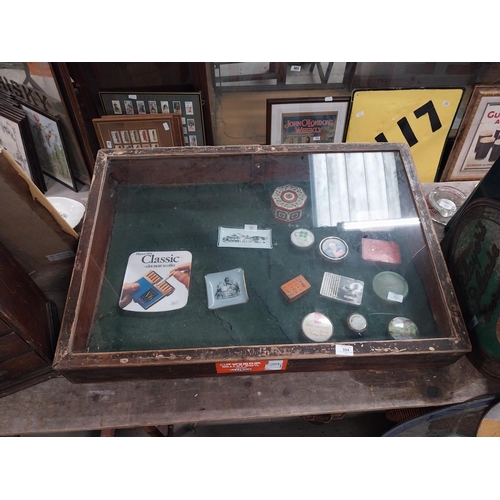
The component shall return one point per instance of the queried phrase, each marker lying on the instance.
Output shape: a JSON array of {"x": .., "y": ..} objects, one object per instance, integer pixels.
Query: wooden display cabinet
[
  {"x": 28, "y": 328},
  {"x": 172, "y": 202}
]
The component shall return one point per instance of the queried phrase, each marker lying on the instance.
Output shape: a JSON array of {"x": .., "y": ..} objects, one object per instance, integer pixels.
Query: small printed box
[
  {"x": 342, "y": 289},
  {"x": 295, "y": 288}
]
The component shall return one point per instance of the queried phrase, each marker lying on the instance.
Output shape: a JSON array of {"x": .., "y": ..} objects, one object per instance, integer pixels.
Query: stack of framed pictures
[
  {"x": 35, "y": 140},
  {"x": 17, "y": 139},
  {"x": 187, "y": 105}
]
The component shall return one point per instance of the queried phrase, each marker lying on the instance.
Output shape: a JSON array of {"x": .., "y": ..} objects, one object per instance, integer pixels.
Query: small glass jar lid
[
  {"x": 333, "y": 249},
  {"x": 302, "y": 238},
  {"x": 390, "y": 287},
  {"x": 403, "y": 329},
  {"x": 317, "y": 327},
  {"x": 444, "y": 201}
]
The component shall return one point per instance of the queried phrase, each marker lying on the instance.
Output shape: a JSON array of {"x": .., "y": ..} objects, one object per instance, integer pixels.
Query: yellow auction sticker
[{"x": 421, "y": 118}]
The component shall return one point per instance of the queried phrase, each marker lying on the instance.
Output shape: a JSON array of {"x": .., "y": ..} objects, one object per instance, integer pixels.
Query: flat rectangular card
[
  {"x": 244, "y": 237},
  {"x": 156, "y": 281}
]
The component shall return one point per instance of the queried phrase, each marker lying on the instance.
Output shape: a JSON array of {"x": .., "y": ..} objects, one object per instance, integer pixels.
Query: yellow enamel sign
[{"x": 422, "y": 118}]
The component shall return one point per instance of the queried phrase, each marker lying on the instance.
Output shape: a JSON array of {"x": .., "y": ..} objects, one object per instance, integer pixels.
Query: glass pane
[{"x": 369, "y": 256}]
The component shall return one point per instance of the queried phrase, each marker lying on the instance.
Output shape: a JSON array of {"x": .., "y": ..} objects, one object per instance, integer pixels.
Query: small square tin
[
  {"x": 380, "y": 251},
  {"x": 342, "y": 289},
  {"x": 295, "y": 288}
]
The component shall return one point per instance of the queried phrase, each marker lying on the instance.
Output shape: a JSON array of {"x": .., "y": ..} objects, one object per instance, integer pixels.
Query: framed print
[
  {"x": 306, "y": 120},
  {"x": 16, "y": 138},
  {"x": 188, "y": 105},
  {"x": 49, "y": 146},
  {"x": 421, "y": 118},
  {"x": 145, "y": 131},
  {"x": 477, "y": 144}
]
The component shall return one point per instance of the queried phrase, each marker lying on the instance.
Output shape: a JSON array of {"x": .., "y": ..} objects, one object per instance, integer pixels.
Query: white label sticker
[
  {"x": 295, "y": 68},
  {"x": 329, "y": 98},
  {"x": 344, "y": 350},
  {"x": 165, "y": 126},
  {"x": 132, "y": 96},
  {"x": 361, "y": 113},
  {"x": 394, "y": 297},
  {"x": 276, "y": 364},
  {"x": 251, "y": 227},
  {"x": 109, "y": 144}
]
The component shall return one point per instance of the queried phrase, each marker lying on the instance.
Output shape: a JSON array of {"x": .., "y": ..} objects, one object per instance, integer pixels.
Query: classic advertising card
[{"x": 156, "y": 281}]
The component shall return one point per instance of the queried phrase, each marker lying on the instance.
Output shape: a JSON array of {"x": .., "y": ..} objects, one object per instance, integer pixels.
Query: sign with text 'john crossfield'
[{"x": 421, "y": 118}]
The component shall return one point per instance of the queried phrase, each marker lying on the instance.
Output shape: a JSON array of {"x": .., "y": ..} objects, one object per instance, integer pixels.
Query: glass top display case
[{"x": 257, "y": 259}]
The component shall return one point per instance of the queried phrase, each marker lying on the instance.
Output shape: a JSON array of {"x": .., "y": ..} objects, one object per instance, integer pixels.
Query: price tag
[
  {"x": 344, "y": 350},
  {"x": 422, "y": 118},
  {"x": 276, "y": 364},
  {"x": 395, "y": 297},
  {"x": 295, "y": 68},
  {"x": 132, "y": 96}
]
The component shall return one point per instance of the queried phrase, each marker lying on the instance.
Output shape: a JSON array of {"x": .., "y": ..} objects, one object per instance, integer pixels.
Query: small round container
[
  {"x": 287, "y": 203},
  {"x": 333, "y": 249},
  {"x": 356, "y": 325},
  {"x": 303, "y": 239},
  {"x": 317, "y": 327},
  {"x": 402, "y": 329},
  {"x": 443, "y": 202},
  {"x": 390, "y": 287}
]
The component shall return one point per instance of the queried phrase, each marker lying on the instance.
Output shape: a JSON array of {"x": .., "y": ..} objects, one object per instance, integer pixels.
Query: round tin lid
[
  {"x": 356, "y": 323},
  {"x": 302, "y": 238},
  {"x": 333, "y": 249},
  {"x": 390, "y": 286},
  {"x": 402, "y": 329},
  {"x": 317, "y": 327}
]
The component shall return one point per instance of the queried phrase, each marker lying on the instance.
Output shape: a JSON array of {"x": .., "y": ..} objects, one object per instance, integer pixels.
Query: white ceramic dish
[
  {"x": 69, "y": 209},
  {"x": 226, "y": 288}
]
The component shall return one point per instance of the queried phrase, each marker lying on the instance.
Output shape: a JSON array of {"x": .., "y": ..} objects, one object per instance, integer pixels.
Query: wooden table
[{"x": 60, "y": 406}]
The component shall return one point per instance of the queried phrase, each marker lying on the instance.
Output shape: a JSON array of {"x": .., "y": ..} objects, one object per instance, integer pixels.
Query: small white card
[
  {"x": 244, "y": 237},
  {"x": 344, "y": 350}
]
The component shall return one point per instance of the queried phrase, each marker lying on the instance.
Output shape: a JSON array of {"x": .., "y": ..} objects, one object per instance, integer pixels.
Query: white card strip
[{"x": 233, "y": 237}]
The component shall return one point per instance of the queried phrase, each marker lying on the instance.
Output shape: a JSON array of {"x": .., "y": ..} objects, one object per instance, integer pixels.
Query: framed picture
[
  {"x": 477, "y": 144},
  {"x": 420, "y": 118},
  {"x": 139, "y": 131},
  {"x": 188, "y": 105},
  {"x": 49, "y": 145},
  {"x": 16, "y": 138},
  {"x": 306, "y": 120}
]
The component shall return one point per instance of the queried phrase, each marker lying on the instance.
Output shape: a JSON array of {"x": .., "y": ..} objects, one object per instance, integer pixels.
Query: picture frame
[
  {"x": 139, "y": 131},
  {"x": 187, "y": 104},
  {"x": 287, "y": 120},
  {"x": 16, "y": 138},
  {"x": 50, "y": 146},
  {"x": 479, "y": 129}
]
